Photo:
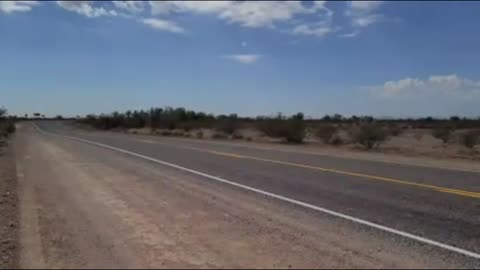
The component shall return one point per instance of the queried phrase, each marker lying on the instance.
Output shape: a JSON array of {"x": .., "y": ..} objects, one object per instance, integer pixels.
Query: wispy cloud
[
  {"x": 16, "y": 6},
  {"x": 86, "y": 8},
  {"x": 364, "y": 6},
  {"x": 307, "y": 18},
  {"x": 244, "y": 58},
  {"x": 130, "y": 6},
  {"x": 350, "y": 35},
  {"x": 318, "y": 31},
  {"x": 362, "y": 14},
  {"x": 253, "y": 14},
  {"x": 164, "y": 25}
]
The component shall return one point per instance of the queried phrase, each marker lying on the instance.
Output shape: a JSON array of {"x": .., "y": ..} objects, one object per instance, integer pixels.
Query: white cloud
[
  {"x": 16, "y": 6},
  {"x": 245, "y": 13},
  {"x": 366, "y": 20},
  {"x": 166, "y": 7},
  {"x": 436, "y": 85},
  {"x": 130, "y": 6},
  {"x": 86, "y": 8},
  {"x": 164, "y": 25},
  {"x": 318, "y": 31},
  {"x": 263, "y": 13},
  {"x": 350, "y": 35},
  {"x": 254, "y": 14},
  {"x": 364, "y": 6},
  {"x": 362, "y": 14},
  {"x": 244, "y": 58}
]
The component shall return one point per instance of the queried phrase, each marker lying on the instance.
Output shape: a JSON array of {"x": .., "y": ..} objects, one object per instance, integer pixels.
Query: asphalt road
[{"x": 434, "y": 205}]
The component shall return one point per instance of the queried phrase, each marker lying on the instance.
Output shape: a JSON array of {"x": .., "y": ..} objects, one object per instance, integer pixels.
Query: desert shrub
[
  {"x": 219, "y": 136},
  {"x": 166, "y": 133},
  {"x": 291, "y": 129},
  {"x": 228, "y": 125},
  {"x": 336, "y": 140},
  {"x": 369, "y": 135},
  {"x": 178, "y": 133},
  {"x": 7, "y": 125},
  {"x": 395, "y": 130},
  {"x": 270, "y": 127},
  {"x": 3, "y": 133},
  {"x": 325, "y": 132},
  {"x": 443, "y": 133},
  {"x": 199, "y": 134},
  {"x": 236, "y": 136},
  {"x": 470, "y": 138},
  {"x": 249, "y": 139},
  {"x": 187, "y": 126},
  {"x": 295, "y": 129},
  {"x": 11, "y": 127}
]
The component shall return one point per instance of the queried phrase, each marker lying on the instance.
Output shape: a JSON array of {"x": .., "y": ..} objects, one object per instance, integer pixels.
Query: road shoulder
[{"x": 8, "y": 209}]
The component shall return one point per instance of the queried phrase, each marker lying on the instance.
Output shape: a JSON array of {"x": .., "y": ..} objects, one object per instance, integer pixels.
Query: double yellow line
[{"x": 458, "y": 192}]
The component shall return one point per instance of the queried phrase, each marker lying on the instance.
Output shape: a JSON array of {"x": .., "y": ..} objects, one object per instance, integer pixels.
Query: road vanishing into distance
[{"x": 104, "y": 199}]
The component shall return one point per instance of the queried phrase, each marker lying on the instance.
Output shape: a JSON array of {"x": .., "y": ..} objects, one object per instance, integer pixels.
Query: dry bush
[
  {"x": 291, "y": 129},
  {"x": 166, "y": 133},
  {"x": 443, "y": 133},
  {"x": 219, "y": 136},
  {"x": 326, "y": 132},
  {"x": 369, "y": 135},
  {"x": 470, "y": 138},
  {"x": 178, "y": 133},
  {"x": 236, "y": 136},
  {"x": 336, "y": 140},
  {"x": 199, "y": 134},
  {"x": 395, "y": 130}
]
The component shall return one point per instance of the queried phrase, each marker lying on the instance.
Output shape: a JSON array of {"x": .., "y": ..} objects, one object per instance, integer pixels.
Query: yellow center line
[{"x": 459, "y": 192}]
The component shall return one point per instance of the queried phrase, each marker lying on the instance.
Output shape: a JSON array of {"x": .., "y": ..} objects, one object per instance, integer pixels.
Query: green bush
[
  {"x": 336, "y": 140},
  {"x": 369, "y": 135},
  {"x": 219, "y": 136},
  {"x": 178, "y": 133},
  {"x": 295, "y": 129},
  {"x": 166, "y": 133},
  {"x": 291, "y": 129},
  {"x": 395, "y": 130},
  {"x": 470, "y": 138},
  {"x": 10, "y": 127},
  {"x": 236, "y": 136},
  {"x": 443, "y": 133},
  {"x": 228, "y": 125},
  {"x": 325, "y": 132}
]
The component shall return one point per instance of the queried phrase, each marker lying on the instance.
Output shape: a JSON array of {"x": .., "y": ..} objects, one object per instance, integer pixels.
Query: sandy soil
[{"x": 8, "y": 210}]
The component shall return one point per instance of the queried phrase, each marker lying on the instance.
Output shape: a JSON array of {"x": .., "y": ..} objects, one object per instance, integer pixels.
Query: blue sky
[{"x": 253, "y": 58}]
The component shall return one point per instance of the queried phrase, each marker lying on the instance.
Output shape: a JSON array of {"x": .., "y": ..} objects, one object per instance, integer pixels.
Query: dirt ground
[{"x": 8, "y": 209}]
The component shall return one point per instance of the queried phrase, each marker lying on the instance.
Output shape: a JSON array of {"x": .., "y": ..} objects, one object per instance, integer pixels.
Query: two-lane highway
[{"x": 434, "y": 208}]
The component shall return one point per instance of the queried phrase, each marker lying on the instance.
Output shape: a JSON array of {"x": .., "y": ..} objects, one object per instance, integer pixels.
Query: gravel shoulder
[{"x": 8, "y": 209}]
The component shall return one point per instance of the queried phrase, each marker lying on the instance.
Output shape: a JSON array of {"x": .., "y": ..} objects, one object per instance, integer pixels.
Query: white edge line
[{"x": 280, "y": 197}]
